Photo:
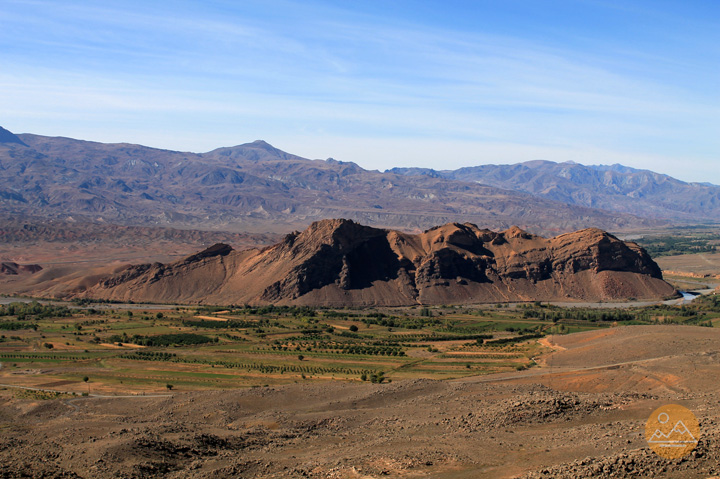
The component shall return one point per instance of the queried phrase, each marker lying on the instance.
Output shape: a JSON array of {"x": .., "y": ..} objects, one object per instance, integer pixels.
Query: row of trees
[
  {"x": 296, "y": 311},
  {"x": 36, "y": 310},
  {"x": 513, "y": 339},
  {"x": 180, "y": 339},
  {"x": 249, "y": 366},
  {"x": 15, "y": 325}
]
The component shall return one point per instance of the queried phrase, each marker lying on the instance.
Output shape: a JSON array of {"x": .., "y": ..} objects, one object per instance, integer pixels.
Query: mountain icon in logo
[
  {"x": 678, "y": 437},
  {"x": 672, "y": 431}
]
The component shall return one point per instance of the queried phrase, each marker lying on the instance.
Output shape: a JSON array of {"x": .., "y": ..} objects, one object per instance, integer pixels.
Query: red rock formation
[{"x": 340, "y": 262}]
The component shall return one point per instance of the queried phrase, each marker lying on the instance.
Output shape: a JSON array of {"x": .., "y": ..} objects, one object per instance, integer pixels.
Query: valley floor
[{"x": 580, "y": 413}]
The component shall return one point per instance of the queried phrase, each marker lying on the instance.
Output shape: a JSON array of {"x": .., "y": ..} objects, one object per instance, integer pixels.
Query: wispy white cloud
[{"x": 219, "y": 73}]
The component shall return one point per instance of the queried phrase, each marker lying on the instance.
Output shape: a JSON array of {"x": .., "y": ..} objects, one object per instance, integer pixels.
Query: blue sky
[{"x": 394, "y": 83}]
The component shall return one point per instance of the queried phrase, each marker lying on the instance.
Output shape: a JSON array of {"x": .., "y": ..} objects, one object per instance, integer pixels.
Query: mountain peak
[
  {"x": 260, "y": 144},
  {"x": 9, "y": 137},
  {"x": 517, "y": 232},
  {"x": 537, "y": 163},
  {"x": 258, "y": 150}
]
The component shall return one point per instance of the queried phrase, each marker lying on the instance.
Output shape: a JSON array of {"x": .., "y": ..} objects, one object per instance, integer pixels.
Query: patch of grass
[{"x": 40, "y": 395}]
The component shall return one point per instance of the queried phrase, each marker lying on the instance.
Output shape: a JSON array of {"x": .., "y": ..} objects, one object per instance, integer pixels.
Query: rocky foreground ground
[{"x": 581, "y": 413}]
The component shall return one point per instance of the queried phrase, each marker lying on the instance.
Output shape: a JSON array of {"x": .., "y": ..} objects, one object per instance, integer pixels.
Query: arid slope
[{"x": 339, "y": 262}]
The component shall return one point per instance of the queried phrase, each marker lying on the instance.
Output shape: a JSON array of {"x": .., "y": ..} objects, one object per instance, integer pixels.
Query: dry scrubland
[
  {"x": 700, "y": 265},
  {"x": 530, "y": 401}
]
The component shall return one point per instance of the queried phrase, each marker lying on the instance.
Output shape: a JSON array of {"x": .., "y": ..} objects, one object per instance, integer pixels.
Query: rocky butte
[{"x": 341, "y": 263}]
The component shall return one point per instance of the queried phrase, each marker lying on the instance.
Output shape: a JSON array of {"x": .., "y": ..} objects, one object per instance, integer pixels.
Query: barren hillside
[{"x": 339, "y": 262}]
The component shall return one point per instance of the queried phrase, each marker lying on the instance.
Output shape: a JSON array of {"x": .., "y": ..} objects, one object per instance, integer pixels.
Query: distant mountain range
[
  {"x": 255, "y": 188},
  {"x": 615, "y": 188}
]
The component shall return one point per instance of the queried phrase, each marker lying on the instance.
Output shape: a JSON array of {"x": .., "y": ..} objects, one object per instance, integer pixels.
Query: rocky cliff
[{"x": 339, "y": 262}]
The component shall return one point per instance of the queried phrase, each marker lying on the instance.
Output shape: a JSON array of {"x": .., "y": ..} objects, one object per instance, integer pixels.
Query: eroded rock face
[
  {"x": 340, "y": 262},
  {"x": 333, "y": 252},
  {"x": 13, "y": 269}
]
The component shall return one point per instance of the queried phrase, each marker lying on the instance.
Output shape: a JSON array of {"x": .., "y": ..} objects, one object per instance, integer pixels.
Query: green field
[
  {"x": 681, "y": 240},
  {"x": 57, "y": 348}
]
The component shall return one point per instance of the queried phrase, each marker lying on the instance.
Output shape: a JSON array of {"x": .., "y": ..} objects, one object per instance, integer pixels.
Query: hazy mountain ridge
[
  {"x": 8, "y": 137},
  {"x": 255, "y": 187},
  {"x": 609, "y": 187}
]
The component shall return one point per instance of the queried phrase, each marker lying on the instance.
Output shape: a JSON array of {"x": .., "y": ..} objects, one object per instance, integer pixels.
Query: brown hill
[{"x": 339, "y": 262}]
